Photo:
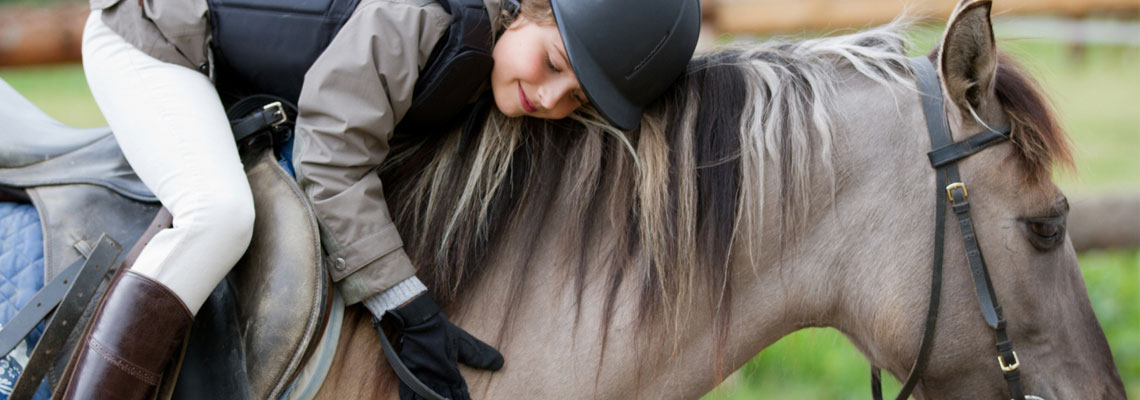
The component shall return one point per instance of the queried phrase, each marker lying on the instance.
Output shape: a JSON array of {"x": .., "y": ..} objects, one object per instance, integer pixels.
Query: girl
[{"x": 149, "y": 65}]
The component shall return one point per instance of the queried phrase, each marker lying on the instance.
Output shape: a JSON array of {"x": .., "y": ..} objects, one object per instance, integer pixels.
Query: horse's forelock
[{"x": 1039, "y": 138}]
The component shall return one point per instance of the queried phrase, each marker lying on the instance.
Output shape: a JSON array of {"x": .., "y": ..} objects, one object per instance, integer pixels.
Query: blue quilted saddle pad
[{"x": 21, "y": 275}]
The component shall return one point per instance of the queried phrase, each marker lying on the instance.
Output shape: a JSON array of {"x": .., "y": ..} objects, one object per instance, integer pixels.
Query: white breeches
[{"x": 173, "y": 130}]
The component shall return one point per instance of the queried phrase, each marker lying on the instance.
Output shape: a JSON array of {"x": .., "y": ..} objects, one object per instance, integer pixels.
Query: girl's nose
[{"x": 556, "y": 91}]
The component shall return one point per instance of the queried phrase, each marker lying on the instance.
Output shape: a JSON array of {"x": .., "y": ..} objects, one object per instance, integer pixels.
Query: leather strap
[
  {"x": 956, "y": 151},
  {"x": 982, "y": 285},
  {"x": 103, "y": 258},
  {"x": 258, "y": 113},
  {"x": 402, "y": 371},
  {"x": 944, "y": 159},
  {"x": 949, "y": 187},
  {"x": 271, "y": 115},
  {"x": 927, "y": 340},
  {"x": 40, "y": 305}
]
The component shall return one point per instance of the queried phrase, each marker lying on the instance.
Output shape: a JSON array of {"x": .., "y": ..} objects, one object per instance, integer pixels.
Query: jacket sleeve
[{"x": 352, "y": 98}]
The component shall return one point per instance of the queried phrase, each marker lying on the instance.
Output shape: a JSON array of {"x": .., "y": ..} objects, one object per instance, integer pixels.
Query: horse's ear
[
  {"x": 962, "y": 4},
  {"x": 968, "y": 55}
]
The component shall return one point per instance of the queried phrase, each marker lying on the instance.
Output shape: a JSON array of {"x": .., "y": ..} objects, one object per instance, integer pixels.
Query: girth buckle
[
  {"x": 950, "y": 190},
  {"x": 278, "y": 111},
  {"x": 1011, "y": 366}
]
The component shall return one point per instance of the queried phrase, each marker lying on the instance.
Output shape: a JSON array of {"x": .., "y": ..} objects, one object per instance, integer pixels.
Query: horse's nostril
[{"x": 1032, "y": 397}]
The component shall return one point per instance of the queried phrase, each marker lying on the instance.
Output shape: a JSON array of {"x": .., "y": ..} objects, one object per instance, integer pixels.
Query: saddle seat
[
  {"x": 30, "y": 135},
  {"x": 40, "y": 151}
]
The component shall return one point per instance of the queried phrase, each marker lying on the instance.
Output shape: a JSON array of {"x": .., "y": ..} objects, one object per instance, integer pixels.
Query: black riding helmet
[{"x": 627, "y": 52}]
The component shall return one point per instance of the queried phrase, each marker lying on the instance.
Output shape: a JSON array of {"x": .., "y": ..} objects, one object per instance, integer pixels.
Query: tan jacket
[{"x": 352, "y": 98}]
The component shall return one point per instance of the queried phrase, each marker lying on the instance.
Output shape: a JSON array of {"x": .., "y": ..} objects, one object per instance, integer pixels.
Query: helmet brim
[{"x": 603, "y": 94}]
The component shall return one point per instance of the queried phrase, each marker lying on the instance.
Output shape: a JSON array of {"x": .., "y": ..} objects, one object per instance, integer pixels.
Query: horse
[
  {"x": 756, "y": 198},
  {"x": 775, "y": 187}
]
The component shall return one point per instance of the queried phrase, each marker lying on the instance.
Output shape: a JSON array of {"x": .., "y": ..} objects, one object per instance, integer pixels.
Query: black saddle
[{"x": 254, "y": 334}]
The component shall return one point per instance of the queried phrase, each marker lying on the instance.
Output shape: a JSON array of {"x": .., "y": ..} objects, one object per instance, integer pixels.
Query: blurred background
[{"x": 1086, "y": 53}]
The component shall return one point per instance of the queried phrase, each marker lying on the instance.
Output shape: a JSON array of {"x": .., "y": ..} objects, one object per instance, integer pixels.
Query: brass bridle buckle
[
  {"x": 1011, "y": 366},
  {"x": 950, "y": 190}
]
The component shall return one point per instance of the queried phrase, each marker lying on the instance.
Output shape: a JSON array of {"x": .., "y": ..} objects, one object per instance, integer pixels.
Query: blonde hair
[{"x": 537, "y": 11}]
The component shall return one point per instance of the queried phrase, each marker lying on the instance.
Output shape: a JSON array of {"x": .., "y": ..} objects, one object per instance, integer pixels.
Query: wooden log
[
  {"x": 31, "y": 35},
  {"x": 1111, "y": 222},
  {"x": 765, "y": 16}
]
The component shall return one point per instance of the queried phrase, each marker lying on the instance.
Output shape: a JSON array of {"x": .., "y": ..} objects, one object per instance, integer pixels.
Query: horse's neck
[
  {"x": 877, "y": 221},
  {"x": 555, "y": 345}
]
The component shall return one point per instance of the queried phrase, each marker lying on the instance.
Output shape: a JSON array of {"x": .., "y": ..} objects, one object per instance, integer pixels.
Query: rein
[{"x": 944, "y": 158}]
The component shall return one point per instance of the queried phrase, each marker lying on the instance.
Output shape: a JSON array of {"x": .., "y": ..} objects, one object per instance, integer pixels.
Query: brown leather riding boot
[{"x": 139, "y": 326}]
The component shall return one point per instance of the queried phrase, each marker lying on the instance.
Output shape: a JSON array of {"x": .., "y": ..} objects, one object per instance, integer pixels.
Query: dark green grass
[{"x": 59, "y": 90}]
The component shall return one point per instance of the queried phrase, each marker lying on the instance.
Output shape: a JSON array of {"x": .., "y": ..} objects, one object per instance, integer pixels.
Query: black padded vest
[{"x": 266, "y": 46}]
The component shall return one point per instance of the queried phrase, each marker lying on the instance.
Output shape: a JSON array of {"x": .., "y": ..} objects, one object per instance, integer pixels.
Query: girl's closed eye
[{"x": 551, "y": 66}]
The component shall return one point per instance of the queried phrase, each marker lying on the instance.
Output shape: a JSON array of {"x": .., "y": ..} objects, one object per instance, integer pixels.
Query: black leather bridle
[{"x": 949, "y": 187}]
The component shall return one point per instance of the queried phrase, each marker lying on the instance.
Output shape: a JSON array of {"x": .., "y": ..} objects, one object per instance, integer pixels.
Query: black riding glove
[{"x": 431, "y": 346}]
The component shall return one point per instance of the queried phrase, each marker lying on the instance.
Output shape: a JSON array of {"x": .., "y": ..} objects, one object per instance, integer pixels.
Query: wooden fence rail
[
  {"x": 756, "y": 16},
  {"x": 42, "y": 35},
  {"x": 31, "y": 35},
  {"x": 1105, "y": 222}
]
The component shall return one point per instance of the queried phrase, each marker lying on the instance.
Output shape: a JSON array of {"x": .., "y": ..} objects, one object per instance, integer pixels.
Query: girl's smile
[
  {"x": 526, "y": 105},
  {"x": 532, "y": 75}
]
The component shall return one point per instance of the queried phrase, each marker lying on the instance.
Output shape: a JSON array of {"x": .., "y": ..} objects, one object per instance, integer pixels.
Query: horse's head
[{"x": 1018, "y": 215}]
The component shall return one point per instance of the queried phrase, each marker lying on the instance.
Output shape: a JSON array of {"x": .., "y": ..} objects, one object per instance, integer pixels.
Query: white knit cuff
[{"x": 394, "y": 296}]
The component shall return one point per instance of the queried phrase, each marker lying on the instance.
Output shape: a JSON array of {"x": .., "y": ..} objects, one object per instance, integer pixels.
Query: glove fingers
[{"x": 476, "y": 354}]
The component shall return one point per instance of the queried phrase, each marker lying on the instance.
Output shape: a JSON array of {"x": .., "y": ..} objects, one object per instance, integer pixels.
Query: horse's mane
[{"x": 672, "y": 189}]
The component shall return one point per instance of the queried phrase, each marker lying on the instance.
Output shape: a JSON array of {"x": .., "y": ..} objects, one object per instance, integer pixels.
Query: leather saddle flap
[{"x": 256, "y": 341}]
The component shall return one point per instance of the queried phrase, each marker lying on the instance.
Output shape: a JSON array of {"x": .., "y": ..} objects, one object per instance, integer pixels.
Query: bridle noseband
[{"x": 949, "y": 187}]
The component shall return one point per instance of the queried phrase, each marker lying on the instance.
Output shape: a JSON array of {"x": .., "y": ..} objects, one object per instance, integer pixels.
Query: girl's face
[{"x": 532, "y": 75}]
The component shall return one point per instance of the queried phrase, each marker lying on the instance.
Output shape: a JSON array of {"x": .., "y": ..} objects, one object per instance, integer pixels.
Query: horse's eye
[{"x": 1047, "y": 233}]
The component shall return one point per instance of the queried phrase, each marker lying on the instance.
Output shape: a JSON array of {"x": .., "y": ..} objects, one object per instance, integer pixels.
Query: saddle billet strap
[
  {"x": 402, "y": 371},
  {"x": 87, "y": 279},
  {"x": 43, "y": 303},
  {"x": 56, "y": 335}
]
